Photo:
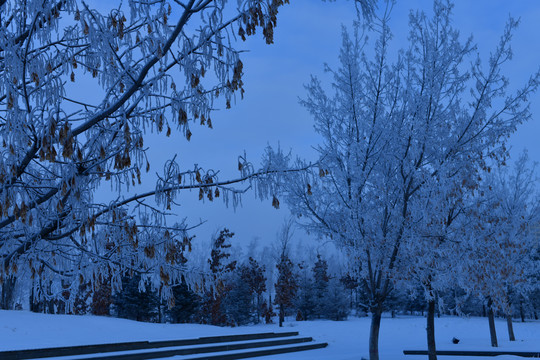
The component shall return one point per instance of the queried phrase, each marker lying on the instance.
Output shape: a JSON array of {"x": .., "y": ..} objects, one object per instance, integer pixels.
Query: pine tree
[
  {"x": 102, "y": 298},
  {"x": 320, "y": 285},
  {"x": 336, "y": 301},
  {"x": 286, "y": 286},
  {"x": 237, "y": 305},
  {"x": 305, "y": 297},
  {"x": 253, "y": 275},
  {"x": 81, "y": 304},
  {"x": 268, "y": 312},
  {"x": 135, "y": 303},
  {"x": 211, "y": 311},
  {"x": 185, "y": 304}
]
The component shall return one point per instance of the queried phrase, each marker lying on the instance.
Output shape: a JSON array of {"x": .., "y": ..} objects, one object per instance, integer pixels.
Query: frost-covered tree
[
  {"x": 158, "y": 66},
  {"x": 394, "y": 130},
  {"x": 501, "y": 242},
  {"x": 350, "y": 283}
]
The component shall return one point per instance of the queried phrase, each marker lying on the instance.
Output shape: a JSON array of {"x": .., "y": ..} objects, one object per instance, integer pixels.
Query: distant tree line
[{"x": 236, "y": 292}]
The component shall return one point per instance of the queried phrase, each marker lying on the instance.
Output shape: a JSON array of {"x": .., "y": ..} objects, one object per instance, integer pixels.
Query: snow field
[{"x": 347, "y": 340}]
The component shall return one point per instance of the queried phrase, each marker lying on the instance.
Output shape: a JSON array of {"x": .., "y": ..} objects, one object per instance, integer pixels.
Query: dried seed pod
[{"x": 275, "y": 202}]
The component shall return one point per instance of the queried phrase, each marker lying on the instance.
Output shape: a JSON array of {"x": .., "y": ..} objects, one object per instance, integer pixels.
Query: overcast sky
[{"x": 308, "y": 35}]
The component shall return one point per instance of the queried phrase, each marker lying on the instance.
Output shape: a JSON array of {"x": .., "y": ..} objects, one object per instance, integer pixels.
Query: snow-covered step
[
  {"x": 249, "y": 353},
  {"x": 135, "y": 345},
  {"x": 531, "y": 354},
  {"x": 144, "y": 354}
]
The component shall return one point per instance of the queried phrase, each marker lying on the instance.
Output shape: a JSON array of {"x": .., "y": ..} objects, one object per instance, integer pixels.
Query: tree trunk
[
  {"x": 432, "y": 352},
  {"x": 50, "y": 306},
  {"x": 281, "y": 315},
  {"x": 491, "y": 319},
  {"x": 374, "y": 333},
  {"x": 8, "y": 288},
  {"x": 160, "y": 318},
  {"x": 521, "y": 313},
  {"x": 31, "y": 298},
  {"x": 258, "y": 308},
  {"x": 510, "y": 328}
]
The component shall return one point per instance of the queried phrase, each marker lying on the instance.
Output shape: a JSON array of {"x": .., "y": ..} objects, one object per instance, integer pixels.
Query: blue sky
[{"x": 307, "y": 36}]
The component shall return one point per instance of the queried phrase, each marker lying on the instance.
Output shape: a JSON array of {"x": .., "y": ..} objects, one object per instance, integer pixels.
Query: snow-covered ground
[{"x": 347, "y": 339}]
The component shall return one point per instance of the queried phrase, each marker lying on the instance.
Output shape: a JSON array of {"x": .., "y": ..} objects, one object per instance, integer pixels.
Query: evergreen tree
[
  {"x": 211, "y": 311},
  {"x": 268, "y": 312},
  {"x": 253, "y": 275},
  {"x": 320, "y": 285},
  {"x": 305, "y": 297},
  {"x": 135, "y": 303},
  {"x": 81, "y": 304},
  {"x": 185, "y": 304},
  {"x": 102, "y": 298},
  {"x": 237, "y": 304},
  {"x": 337, "y": 301},
  {"x": 286, "y": 286}
]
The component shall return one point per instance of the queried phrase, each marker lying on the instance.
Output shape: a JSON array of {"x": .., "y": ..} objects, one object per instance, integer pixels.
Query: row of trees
[
  {"x": 242, "y": 291},
  {"x": 231, "y": 292},
  {"x": 411, "y": 179}
]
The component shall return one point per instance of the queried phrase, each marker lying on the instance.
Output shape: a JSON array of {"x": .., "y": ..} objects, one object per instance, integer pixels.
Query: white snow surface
[{"x": 346, "y": 340}]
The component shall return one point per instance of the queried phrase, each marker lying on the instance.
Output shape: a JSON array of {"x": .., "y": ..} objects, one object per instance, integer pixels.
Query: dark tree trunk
[
  {"x": 160, "y": 317},
  {"x": 374, "y": 333},
  {"x": 281, "y": 315},
  {"x": 50, "y": 306},
  {"x": 491, "y": 319},
  {"x": 32, "y": 299},
  {"x": 484, "y": 310},
  {"x": 521, "y": 313},
  {"x": 258, "y": 308},
  {"x": 432, "y": 352},
  {"x": 510, "y": 326},
  {"x": 8, "y": 288}
]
